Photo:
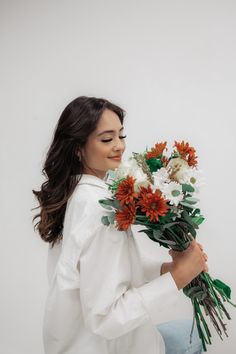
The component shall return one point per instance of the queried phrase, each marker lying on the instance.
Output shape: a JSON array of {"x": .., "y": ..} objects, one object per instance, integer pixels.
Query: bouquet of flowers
[{"x": 159, "y": 192}]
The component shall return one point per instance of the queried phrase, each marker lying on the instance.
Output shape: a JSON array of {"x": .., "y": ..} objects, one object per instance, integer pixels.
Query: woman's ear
[{"x": 78, "y": 153}]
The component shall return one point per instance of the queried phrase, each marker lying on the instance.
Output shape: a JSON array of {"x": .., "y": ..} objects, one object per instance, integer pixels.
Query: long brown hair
[{"x": 62, "y": 167}]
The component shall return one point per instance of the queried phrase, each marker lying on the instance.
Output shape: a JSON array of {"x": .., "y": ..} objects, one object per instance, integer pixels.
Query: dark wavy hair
[{"x": 63, "y": 167}]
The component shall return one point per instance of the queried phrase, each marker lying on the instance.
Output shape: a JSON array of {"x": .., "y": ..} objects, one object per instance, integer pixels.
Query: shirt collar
[{"x": 94, "y": 180}]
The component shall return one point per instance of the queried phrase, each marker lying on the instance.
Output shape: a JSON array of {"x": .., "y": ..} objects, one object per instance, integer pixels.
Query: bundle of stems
[{"x": 206, "y": 294}]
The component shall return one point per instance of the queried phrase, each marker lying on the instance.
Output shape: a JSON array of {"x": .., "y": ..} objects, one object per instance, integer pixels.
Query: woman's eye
[{"x": 107, "y": 140}]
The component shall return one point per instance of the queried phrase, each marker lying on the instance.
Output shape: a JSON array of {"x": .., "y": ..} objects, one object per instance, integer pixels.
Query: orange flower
[
  {"x": 186, "y": 152},
  {"x": 125, "y": 217},
  {"x": 125, "y": 191},
  {"x": 164, "y": 160},
  {"x": 156, "y": 151},
  {"x": 192, "y": 159},
  {"x": 152, "y": 203}
]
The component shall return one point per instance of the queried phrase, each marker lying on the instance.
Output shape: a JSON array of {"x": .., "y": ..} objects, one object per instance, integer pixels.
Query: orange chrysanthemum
[
  {"x": 125, "y": 191},
  {"x": 152, "y": 203},
  {"x": 156, "y": 151},
  {"x": 186, "y": 152},
  {"x": 164, "y": 160},
  {"x": 192, "y": 159},
  {"x": 125, "y": 217}
]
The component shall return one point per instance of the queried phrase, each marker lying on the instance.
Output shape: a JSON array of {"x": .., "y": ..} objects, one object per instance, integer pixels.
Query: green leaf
[
  {"x": 149, "y": 233},
  {"x": 157, "y": 233},
  {"x": 113, "y": 186},
  {"x": 111, "y": 217},
  {"x": 198, "y": 219},
  {"x": 187, "y": 188},
  {"x": 200, "y": 295},
  {"x": 116, "y": 204},
  {"x": 170, "y": 224},
  {"x": 219, "y": 284},
  {"x": 186, "y": 205},
  {"x": 196, "y": 211},
  {"x": 110, "y": 203},
  {"x": 106, "y": 203},
  {"x": 154, "y": 164},
  {"x": 189, "y": 219},
  {"x": 168, "y": 242},
  {"x": 191, "y": 200},
  {"x": 105, "y": 220},
  {"x": 189, "y": 290}
]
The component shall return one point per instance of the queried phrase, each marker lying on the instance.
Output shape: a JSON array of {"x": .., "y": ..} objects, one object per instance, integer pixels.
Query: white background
[{"x": 170, "y": 65}]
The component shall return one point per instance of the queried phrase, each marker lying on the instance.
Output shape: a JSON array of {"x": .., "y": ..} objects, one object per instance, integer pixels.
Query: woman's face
[{"x": 103, "y": 145}]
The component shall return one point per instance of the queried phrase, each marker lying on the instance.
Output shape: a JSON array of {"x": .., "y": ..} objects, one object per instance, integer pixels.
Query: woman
[{"x": 102, "y": 299}]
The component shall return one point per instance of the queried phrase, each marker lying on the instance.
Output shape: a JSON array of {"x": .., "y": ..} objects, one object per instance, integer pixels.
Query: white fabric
[{"x": 102, "y": 299}]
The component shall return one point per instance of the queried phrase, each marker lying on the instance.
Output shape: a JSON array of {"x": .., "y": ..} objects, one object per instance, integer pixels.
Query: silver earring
[{"x": 79, "y": 156}]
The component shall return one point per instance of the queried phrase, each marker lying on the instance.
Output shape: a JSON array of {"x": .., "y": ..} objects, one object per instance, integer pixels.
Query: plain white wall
[{"x": 170, "y": 65}]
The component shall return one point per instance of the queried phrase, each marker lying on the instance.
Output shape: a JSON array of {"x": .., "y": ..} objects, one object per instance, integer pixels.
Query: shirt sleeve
[
  {"x": 111, "y": 306},
  {"x": 151, "y": 267},
  {"x": 150, "y": 260}
]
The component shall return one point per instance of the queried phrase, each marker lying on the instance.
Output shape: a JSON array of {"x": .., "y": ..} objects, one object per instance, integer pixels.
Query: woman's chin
[{"x": 114, "y": 164}]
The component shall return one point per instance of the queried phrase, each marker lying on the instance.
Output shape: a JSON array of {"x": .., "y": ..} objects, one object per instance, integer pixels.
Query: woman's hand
[
  {"x": 166, "y": 267},
  {"x": 188, "y": 264}
]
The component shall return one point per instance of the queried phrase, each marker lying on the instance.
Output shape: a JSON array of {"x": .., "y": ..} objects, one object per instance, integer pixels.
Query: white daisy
[
  {"x": 161, "y": 176},
  {"x": 194, "y": 177},
  {"x": 173, "y": 192}
]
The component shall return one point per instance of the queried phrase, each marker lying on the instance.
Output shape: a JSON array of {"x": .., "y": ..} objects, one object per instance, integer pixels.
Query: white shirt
[{"x": 102, "y": 298}]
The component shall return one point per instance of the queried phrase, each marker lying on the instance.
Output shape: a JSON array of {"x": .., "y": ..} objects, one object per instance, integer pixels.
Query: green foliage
[
  {"x": 220, "y": 285},
  {"x": 105, "y": 203},
  {"x": 105, "y": 220},
  {"x": 195, "y": 292},
  {"x": 187, "y": 205},
  {"x": 187, "y": 188},
  {"x": 191, "y": 200},
  {"x": 189, "y": 219},
  {"x": 198, "y": 219},
  {"x": 154, "y": 164},
  {"x": 110, "y": 203}
]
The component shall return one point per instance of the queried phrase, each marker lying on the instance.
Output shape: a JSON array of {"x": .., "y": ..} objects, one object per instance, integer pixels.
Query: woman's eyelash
[{"x": 121, "y": 137}]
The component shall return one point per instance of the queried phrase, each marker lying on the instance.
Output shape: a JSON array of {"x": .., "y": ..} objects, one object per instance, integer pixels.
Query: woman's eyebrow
[{"x": 109, "y": 131}]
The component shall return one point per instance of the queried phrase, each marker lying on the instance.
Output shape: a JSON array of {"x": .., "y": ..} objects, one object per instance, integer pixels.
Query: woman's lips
[{"x": 117, "y": 158}]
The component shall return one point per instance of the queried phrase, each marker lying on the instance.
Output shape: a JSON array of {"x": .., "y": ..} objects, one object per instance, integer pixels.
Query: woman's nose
[{"x": 119, "y": 145}]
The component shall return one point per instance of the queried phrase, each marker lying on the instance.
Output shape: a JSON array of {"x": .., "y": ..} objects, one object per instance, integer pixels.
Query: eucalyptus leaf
[
  {"x": 167, "y": 242},
  {"x": 190, "y": 291},
  {"x": 111, "y": 217},
  {"x": 189, "y": 219},
  {"x": 200, "y": 295},
  {"x": 169, "y": 225},
  {"x": 157, "y": 233},
  {"x": 191, "y": 200},
  {"x": 105, "y": 220},
  {"x": 106, "y": 203},
  {"x": 187, "y": 188},
  {"x": 186, "y": 205}
]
